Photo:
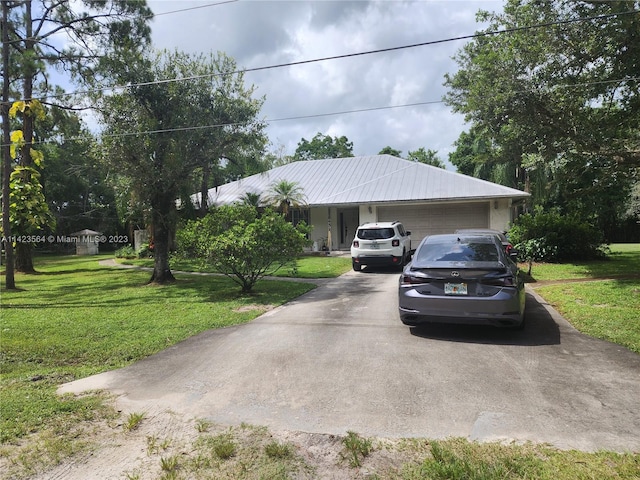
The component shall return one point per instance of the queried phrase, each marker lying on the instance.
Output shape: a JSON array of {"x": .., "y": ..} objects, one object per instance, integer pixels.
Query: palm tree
[
  {"x": 252, "y": 199},
  {"x": 284, "y": 195}
]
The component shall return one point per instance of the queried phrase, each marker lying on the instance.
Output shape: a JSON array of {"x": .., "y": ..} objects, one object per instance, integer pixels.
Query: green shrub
[
  {"x": 125, "y": 252},
  {"x": 552, "y": 237},
  {"x": 242, "y": 243},
  {"x": 145, "y": 251}
]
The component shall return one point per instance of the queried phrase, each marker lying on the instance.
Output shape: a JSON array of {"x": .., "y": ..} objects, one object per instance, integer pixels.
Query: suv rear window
[{"x": 375, "y": 233}]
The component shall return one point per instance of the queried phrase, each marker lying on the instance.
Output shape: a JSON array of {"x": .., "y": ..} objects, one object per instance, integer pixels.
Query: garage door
[{"x": 423, "y": 220}]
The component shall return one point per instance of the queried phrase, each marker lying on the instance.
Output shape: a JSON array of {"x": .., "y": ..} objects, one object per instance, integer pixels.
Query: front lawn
[
  {"x": 305, "y": 266},
  {"x": 624, "y": 259},
  {"x": 75, "y": 318},
  {"x": 605, "y": 307}
]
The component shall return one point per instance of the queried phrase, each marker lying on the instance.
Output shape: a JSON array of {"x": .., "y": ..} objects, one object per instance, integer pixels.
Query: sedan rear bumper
[{"x": 503, "y": 310}]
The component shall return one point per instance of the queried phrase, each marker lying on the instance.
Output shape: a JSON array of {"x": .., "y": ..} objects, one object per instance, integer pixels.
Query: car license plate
[
  {"x": 455, "y": 288},
  {"x": 374, "y": 245}
]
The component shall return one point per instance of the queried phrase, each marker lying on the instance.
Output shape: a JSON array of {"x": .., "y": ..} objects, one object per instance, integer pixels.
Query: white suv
[{"x": 380, "y": 244}]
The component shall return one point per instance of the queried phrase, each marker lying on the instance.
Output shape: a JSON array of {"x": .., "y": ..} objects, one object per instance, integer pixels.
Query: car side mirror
[{"x": 408, "y": 233}]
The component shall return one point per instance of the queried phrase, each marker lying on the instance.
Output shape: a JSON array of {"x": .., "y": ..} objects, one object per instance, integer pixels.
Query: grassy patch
[
  {"x": 305, "y": 266},
  {"x": 317, "y": 267},
  {"x": 243, "y": 452},
  {"x": 460, "y": 459},
  {"x": 356, "y": 449},
  {"x": 75, "y": 318},
  {"x": 624, "y": 259},
  {"x": 606, "y": 309}
]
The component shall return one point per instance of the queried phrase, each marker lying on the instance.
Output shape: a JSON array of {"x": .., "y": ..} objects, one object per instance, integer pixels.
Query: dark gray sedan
[{"x": 463, "y": 279}]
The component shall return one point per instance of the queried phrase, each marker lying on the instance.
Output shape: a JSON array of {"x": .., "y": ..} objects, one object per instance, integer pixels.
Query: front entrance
[{"x": 347, "y": 224}]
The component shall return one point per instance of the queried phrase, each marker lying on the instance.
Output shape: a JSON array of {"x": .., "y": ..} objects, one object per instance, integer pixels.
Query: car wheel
[
  {"x": 403, "y": 261},
  {"x": 356, "y": 266}
]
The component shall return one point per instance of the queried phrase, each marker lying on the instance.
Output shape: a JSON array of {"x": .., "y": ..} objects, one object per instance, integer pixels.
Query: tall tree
[
  {"x": 94, "y": 31},
  {"x": 558, "y": 96},
  {"x": 154, "y": 137},
  {"x": 428, "y": 157},
  {"x": 390, "y": 151},
  {"x": 5, "y": 153},
  {"x": 277, "y": 156},
  {"x": 323, "y": 146}
]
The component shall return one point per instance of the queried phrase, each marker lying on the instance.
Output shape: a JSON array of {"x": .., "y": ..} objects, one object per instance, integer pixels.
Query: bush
[
  {"x": 242, "y": 243},
  {"x": 145, "y": 251},
  {"x": 126, "y": 252},
  {"x": 551, "y": 237}
]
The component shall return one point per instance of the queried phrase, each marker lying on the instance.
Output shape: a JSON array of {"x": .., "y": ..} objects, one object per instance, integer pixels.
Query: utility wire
[
  {"x": 348, "y": 55},
  {"x": 305, "y": 117},
  {"x": 191, "y": 8}
]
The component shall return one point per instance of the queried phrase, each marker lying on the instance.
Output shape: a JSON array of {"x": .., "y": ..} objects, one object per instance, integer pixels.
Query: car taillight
[
  {"x": 505, "y": 281},
  {"x": 413, "y": 280},
  {"x": 395, "y": 243},
  {"x": 356, "y": 244}
]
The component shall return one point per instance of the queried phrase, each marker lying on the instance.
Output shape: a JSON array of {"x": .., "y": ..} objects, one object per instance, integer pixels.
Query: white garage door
[{"x": 423, "y": 220}]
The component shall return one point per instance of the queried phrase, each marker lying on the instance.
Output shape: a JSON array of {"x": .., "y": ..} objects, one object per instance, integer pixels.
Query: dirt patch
[{"x": 165, "y": 440}]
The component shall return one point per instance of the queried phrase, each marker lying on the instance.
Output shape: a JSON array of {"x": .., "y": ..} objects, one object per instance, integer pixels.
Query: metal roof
[{"x": 366, "y": 179}]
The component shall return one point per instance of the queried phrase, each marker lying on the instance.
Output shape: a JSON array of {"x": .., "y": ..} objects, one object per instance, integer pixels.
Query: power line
[
  {"x": 304, "y": 117},
  {"x": 153, "y": 15},
  {"x": 222, "y": 125},
  {"x": 348, "y": 55},
  {"x": 191, "y": 8}
]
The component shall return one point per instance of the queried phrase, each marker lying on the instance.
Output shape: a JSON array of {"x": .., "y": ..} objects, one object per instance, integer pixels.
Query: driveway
[{"x": 338, "y": 359}]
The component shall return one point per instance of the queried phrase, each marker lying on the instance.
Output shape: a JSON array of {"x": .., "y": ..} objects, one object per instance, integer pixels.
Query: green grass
[
  {"x": 606, "y": 309},
  {"x": 75, "y": 318},
  {"x": 457, "y": 458},
  {"x": 624, "y": 259},
  {"x": 305, "y": 267}
]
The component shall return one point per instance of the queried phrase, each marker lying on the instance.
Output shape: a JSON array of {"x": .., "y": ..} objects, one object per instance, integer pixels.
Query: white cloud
[{"x": 261, "y": 33}]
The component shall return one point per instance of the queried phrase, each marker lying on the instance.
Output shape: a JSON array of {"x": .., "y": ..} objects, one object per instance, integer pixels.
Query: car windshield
[
  {"x": 457, "y": 252},
  {"x": 375, "y": 233}
]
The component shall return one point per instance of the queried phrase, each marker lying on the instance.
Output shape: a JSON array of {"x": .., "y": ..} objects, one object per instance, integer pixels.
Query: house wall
[
  {"x": 319, "y": 219},
  {"x": 500, "y": 214},
  {"x": 368, "y": 213},
  {"x": 421, "y": 219}
]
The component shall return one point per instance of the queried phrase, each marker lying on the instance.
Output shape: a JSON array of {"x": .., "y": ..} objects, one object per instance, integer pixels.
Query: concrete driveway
[{"x": 338, "y": 359}]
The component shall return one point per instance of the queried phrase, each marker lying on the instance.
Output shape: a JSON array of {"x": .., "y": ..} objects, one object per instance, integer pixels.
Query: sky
[{"x": 259, "y": 33}]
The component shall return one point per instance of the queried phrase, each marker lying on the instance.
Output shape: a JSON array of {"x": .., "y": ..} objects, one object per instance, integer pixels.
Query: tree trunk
[
  {"x": 10, "y": 283},
  {"x": 161, "y": 214},
  {"x": 24, "y": 252},
  {"x": 24, "y": 258}
]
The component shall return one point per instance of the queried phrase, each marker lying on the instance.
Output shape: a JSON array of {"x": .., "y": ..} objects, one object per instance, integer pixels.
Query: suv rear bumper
[{"x": 377, "y": 261}]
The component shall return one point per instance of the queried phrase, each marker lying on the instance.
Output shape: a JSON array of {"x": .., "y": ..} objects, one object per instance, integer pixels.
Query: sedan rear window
[
  {"x": 458, "y": 252},
  {"x": 375, "y": 233}
]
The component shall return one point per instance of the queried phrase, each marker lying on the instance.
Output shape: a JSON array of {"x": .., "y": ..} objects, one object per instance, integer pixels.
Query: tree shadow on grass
[{"x": 130, "y": 292}]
